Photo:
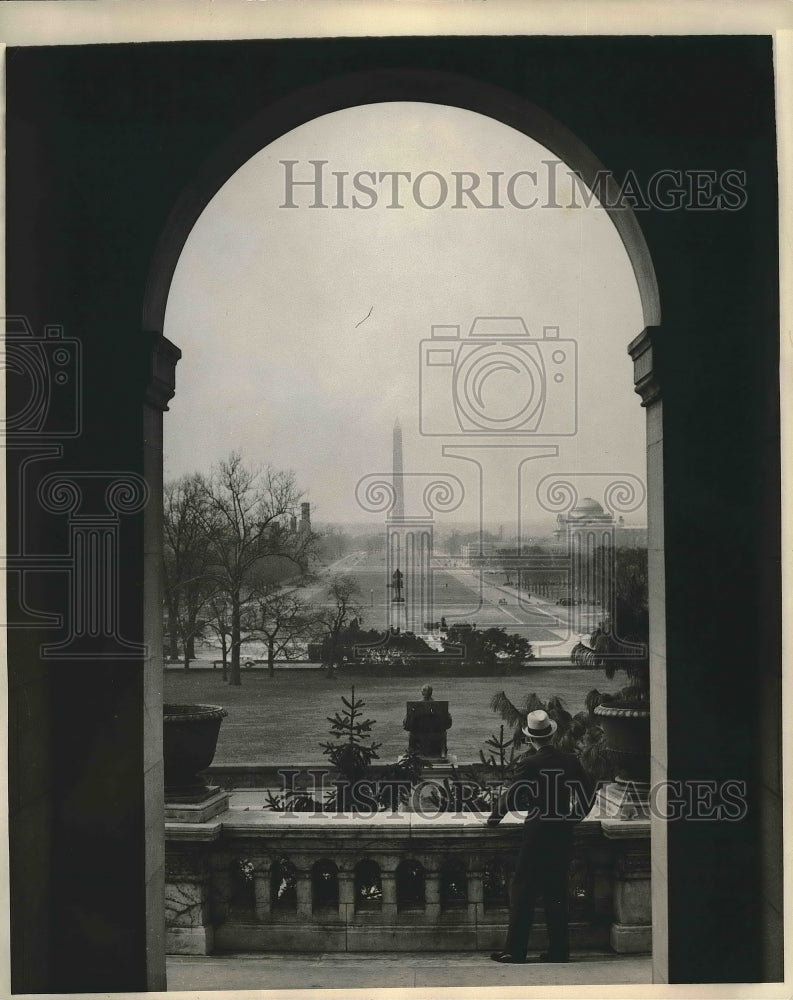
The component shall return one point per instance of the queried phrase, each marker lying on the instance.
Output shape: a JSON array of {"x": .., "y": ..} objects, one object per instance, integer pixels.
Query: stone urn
[
  {"x": 190, "y": 736},
  {"x": 628, "y": 738}
]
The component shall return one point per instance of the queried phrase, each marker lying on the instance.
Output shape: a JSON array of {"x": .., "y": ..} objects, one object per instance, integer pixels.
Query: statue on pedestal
[{"x": 427, "y": 721}]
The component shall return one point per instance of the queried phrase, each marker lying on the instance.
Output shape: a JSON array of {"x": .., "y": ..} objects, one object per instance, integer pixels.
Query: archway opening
[
  {"x": 390, "y": 332},
  {"x": 434, "y": 351}
]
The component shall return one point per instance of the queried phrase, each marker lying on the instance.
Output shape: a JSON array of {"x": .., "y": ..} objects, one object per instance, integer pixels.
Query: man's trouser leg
[
  {"x": 523, "y": 891},
  {"x": 555, "y": 896}
]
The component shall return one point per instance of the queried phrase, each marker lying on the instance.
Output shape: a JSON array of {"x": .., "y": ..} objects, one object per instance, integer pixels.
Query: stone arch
[
  {"x": 368, "y": 885},
  {"x": 283, "y": 885},
  {"x": 277, "y": 119},
  {"x": 376, "y": 87},
  {"x": 454, "y": 885},
  {"x": 410, "y": 884},
  {"x": 324, "y": 885}
]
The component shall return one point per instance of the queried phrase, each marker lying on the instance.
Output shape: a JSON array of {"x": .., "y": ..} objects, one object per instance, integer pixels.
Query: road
[{"x": 461, "y": 595}]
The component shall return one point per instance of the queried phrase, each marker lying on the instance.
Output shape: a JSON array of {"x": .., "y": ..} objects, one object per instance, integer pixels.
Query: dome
[{"x": 587, "y": 508}]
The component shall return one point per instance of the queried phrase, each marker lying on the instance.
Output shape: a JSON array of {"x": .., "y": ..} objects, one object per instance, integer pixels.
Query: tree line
[
  {"x": 238, "y": 569},
  {"x": 236, "y": 563}
]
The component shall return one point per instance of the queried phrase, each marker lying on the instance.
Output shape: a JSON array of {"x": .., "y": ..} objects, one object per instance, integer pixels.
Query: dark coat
[{"x": 551, "y": 787}]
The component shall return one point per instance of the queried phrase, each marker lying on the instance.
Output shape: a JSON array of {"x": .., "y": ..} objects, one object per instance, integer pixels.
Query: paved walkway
[{"x": 347, "y": 970}]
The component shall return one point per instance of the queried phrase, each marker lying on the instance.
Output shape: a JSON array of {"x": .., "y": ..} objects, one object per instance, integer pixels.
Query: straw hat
[{"x": 539, "y": 725}]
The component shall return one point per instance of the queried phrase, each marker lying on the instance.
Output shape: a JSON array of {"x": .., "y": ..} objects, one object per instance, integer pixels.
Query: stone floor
[{"x": 347, "y": 970}]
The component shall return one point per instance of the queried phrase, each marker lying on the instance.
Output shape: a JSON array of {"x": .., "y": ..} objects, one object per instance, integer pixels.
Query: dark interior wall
[{"x": 101, "y": 142}]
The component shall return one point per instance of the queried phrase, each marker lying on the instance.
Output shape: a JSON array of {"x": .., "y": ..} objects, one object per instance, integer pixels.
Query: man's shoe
[{"x": 506, "y": 958}]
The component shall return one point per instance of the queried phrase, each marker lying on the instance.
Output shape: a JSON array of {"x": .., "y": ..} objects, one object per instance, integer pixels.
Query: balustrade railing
[{"x": 256, "y": 880}]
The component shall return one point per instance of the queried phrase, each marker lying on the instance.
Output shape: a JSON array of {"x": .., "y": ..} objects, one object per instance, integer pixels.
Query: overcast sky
[{"x": 301, "y": 327}]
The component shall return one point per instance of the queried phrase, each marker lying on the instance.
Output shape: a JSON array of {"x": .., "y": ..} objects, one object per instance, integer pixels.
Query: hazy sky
[{"x": 269, "y": 307}]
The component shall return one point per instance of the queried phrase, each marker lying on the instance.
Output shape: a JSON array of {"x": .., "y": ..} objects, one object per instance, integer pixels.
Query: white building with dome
[{"x": 588, "y": 518}]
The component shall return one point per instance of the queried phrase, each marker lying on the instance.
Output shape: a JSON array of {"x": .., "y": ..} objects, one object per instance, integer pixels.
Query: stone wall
[{"x": 256, "y": 880}]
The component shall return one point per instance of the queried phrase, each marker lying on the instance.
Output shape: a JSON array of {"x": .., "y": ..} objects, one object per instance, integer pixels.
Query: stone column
[
  {"x": 303, "y": 876},
  {"x": 475, "y": 892},
  {"x": 648, "y": 388},
  {"x": 432, "y": 894},
  {"x": 165, "y": 355},
  {"x": 346, "y": 895},
  {"x": 388, "y": 882},
  {"x": 476, "y": 901},
  {"x": 632, "y": 928},
  {"x": 261, "y": 891}
]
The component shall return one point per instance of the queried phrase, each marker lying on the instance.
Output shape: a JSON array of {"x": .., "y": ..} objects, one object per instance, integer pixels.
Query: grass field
[{"x": 284, "y": 718}]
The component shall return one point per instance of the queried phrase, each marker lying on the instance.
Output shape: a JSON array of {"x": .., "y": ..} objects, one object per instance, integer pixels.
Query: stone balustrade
[{"x": 257, "y": 880}]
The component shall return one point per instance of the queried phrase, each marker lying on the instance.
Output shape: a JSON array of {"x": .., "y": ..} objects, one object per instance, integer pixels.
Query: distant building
[
  {"x": 588, "y": 518},
  {"x": 305, "y": 518},
  {"x": 578, "y": 565}
]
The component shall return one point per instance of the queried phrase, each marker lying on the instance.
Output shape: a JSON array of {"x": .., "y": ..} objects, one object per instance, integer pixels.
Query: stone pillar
[
  {"x": 476, "y": 902},
  {"x": 388, "y": 883},
  {"x": 187, "y": 904},
  {"x": 632, "y": 927},
  {"x": 161, "y": 388},
  {"x": 475, "y": 889},
  {"x": 303, "y": 876},
  {"x": 474, "y": 885},
  {"x": 346, "y": 896},
  {"x": 432, "y": 894},
  {"x": 261, "y": 891},
  {"x": 648, "y": 388}
]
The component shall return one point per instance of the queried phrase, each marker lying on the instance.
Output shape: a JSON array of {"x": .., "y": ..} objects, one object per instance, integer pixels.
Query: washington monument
[{"x": 398, "y": 510}]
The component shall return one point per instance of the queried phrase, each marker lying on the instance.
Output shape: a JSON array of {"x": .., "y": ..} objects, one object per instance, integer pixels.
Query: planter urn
[
  {"x": 190, "y": 736},
  {"x": 628, "y": 738}
]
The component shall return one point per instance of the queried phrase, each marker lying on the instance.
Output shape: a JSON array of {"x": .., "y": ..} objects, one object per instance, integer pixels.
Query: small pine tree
[
  {"x": 500, "y": 761},
  {"x": 351, "y": 748}
]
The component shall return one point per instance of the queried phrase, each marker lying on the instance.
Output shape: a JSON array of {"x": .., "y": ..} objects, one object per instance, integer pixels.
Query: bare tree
[
  {"x": 247, "y": 515},
  {"x": 219, "y": 622},
  {"x": 280, "y": 618},
  {"x": 189, "y": 576},
  {"x": 344, "y": 605}
]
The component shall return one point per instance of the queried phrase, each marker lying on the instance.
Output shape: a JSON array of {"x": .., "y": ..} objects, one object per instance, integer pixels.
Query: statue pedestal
[{"x": 427, "y": 722}]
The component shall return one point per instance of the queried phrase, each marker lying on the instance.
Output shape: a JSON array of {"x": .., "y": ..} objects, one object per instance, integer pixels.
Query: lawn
[{"x": 284, "y": 718}]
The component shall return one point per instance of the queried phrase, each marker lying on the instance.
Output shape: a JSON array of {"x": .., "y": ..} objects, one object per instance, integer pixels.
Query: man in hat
[{"x": 553, "y": 788}]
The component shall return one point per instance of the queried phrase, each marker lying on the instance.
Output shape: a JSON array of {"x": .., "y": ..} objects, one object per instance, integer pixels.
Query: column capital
[
  {"x": 644, "y": 365},
  {"x": 162, "y": 381}
]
